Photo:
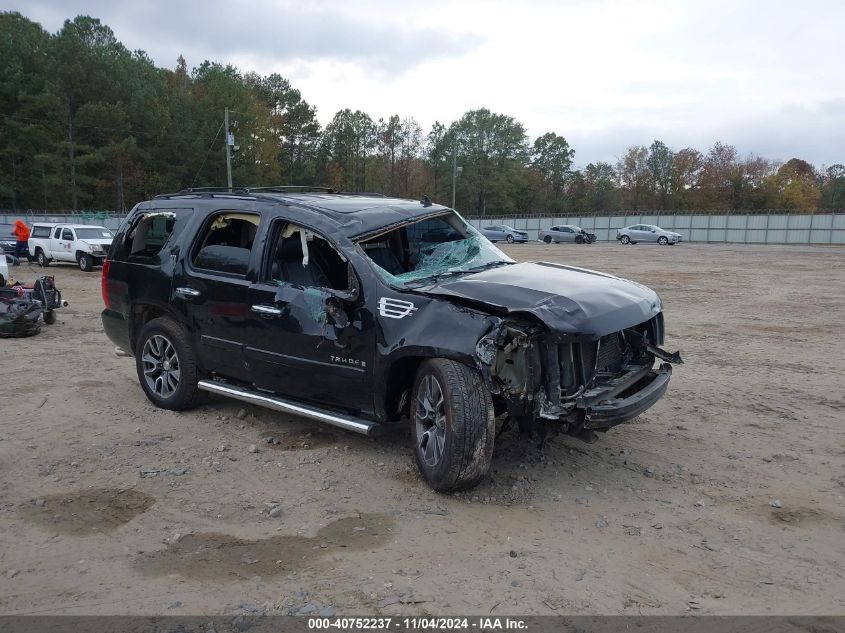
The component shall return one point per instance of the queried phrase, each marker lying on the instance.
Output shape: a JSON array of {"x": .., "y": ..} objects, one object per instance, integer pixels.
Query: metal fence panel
[
  {"x": 756, "y": 228},
  {"x": 740, "y": 228}
]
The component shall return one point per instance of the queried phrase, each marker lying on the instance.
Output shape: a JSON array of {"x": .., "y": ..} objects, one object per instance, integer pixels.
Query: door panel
[
  {"x": 217, "y": 310},
  {"x": 296, "y": 349},
  {"x": 65, "y": 245},
  {"x": 303, "y": 340},
  {"x": 211, "y": 289}
]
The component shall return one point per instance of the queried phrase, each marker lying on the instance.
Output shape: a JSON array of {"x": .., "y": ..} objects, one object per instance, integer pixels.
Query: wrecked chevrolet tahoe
[{"x": 362, "y": 311}]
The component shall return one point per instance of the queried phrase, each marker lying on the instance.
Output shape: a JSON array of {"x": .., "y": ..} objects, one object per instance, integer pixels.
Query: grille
[{"x": 611, "y": 353}]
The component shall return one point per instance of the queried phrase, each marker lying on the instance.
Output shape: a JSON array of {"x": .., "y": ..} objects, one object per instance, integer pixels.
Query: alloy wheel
[
  {"x": 161, "y": 365},
  {"x": 430, "y": 420}
]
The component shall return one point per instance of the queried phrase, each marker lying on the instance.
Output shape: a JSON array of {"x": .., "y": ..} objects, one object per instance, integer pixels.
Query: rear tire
[
  {"x": 452, "y": 425},
  {"x": 86, "y": 262},
  {"x": 42, "y": 259},
  {"x": 625, "y": 239},
  {"x": 548, "y": 239},
  {"x": 168, "y": 384}
]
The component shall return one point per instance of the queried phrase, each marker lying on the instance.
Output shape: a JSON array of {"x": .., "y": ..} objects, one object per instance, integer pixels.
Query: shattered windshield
[{"x": 422, "y": 251}]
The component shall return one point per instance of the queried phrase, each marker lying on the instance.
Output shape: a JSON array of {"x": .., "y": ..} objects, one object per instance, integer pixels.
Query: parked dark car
[
  {"x": 361, "y": 311},
  {"x": 8, "y": 240}
]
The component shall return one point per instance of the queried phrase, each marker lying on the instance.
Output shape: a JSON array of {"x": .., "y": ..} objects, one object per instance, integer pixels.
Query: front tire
[
  {"x": 662, "y": 240},
  {"x": 625, "y": 240},
  {"x": 579, "y": 239},
  {"x": 86, "y": 262},
  {"x": 166, "y": 366},
  {"x": 452, "y": 425},
  {"x": 42, "y": 259},
  {"x": 509, "y": 239}
]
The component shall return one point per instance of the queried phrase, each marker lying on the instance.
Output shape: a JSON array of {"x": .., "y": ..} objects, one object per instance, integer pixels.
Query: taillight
[{"x": 104, "y": 281}]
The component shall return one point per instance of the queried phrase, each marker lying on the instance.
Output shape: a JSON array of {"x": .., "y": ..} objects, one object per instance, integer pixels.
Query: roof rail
[
  {"x": 370, "y": 194},
  {"x": 286, "y": 188},
  {"x": 215, "y": 190}
]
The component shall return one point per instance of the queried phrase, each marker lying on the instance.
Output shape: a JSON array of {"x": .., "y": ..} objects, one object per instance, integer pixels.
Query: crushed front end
[{"x": 580, "y": 384}]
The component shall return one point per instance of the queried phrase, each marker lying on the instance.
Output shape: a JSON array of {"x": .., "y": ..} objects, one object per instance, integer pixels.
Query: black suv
[{"x": 359, "y": 310}]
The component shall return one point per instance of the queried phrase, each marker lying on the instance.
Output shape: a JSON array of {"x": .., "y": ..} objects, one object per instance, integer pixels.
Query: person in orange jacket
[{"x": 21, "y": 232}]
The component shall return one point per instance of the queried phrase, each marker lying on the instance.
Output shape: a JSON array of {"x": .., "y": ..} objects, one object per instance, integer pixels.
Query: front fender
[{"x": 433, "y": 329}]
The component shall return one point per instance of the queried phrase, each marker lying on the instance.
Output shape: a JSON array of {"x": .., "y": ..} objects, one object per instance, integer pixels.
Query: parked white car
[
  {"x": 83, "y": 244},
  {"x": 648, "y": 233}
]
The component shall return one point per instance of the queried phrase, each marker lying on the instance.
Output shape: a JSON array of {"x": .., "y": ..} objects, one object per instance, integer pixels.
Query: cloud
[
  {"x": 764, "y": 76},
  {"x": 265, "y": 32}
]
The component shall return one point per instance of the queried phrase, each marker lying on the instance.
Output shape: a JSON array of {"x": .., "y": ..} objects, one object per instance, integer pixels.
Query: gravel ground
[{"x": 726, "y": 497}]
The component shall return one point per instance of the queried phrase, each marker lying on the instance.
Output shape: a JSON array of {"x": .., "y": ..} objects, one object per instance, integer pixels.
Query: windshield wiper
[
  {"x": 422, "y": 281},
  {"x": 495, "y": 264}
]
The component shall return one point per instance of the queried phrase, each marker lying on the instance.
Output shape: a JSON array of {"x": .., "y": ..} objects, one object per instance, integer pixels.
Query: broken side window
[
  {"x": 308, "y": 271},
  {"x": 303, "y": 258},
  {"x": 148, "y": 234}
]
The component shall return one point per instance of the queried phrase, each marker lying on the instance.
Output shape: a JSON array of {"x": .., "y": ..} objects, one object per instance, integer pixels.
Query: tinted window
[
  {"x": 40, "y": 231},
  {"x": 226, "y": 244},
  {"x": 67, "y": 234},
  {"x": 58, "y": 233}
]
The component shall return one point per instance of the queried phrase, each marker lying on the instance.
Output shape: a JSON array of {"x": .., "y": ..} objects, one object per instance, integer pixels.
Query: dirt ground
[{"x": 724, "y": 498}]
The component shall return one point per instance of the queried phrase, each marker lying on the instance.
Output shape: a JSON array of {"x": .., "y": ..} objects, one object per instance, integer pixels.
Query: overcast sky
[{"x": 767, "y": 76}]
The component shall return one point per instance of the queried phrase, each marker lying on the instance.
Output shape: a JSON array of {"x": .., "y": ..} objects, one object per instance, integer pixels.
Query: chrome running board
[{"x": 356, "y": 425}]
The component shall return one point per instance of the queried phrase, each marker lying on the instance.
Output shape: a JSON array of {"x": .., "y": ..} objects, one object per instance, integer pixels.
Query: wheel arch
[
  {"x": 400, "y": 372},
  {"x": 141, "y": 313}
]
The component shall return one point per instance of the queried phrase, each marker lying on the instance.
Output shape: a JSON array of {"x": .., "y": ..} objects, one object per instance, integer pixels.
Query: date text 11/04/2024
[{"x": 413, "y": 624}]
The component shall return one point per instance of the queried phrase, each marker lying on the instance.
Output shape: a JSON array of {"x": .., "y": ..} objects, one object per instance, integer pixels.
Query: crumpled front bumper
[{"x": 607, "y": 410}]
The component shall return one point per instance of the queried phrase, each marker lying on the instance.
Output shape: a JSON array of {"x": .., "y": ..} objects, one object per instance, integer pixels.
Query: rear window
[
  {"x": 149, "y": 232},
  {"x": 40, "y": 231}
]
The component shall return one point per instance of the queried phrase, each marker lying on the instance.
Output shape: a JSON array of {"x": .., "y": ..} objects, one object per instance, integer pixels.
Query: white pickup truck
[{"x": 81, "y": 243}]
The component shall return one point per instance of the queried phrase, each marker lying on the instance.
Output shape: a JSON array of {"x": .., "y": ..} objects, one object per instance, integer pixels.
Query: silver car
[
  {"x": 562, "y": 233},
  {"x": 648, "y": 233},
  {"x": 503, "y": 232}
]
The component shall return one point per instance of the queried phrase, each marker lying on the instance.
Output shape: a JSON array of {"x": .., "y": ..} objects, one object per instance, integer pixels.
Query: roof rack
[
  {"x": 247, "y": 191},
  {"x": 205, "y": 192}
]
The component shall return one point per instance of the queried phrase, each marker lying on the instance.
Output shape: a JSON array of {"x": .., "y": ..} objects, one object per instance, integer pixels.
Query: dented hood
[{"x": 567, "y": 299}]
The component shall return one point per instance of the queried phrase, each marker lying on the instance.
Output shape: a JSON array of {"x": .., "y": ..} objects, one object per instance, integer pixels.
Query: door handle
[
  {"x": 266, "y": 310},
  {"x": 187, "y": 292}
]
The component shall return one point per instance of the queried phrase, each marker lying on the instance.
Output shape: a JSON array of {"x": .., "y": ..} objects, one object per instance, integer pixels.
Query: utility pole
[
  {"x": 454, "y": 168},
  {"x": 227, "y": 145}
]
